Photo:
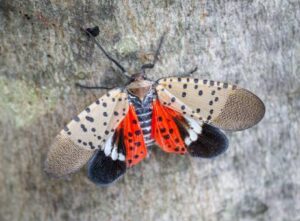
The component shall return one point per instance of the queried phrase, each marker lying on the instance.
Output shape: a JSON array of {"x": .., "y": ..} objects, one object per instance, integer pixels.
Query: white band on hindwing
[
  {"x": 194, "y": 130},
  {"x": 111, "y": 150}
]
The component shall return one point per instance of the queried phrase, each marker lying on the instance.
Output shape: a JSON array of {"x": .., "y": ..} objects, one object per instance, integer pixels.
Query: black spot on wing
[
  {"x": 82, "y": 126},
  {"x": 138, "y": 132},
  {"x": 90, "y": 119},
  {"x": 76, "y": 118}
]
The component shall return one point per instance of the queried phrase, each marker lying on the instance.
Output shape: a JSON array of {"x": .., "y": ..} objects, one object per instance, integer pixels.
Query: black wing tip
[
  {"x": 103, "y": 171},
  {"x": 93, "y": 31},
  {"x": 210, "y": 144}
]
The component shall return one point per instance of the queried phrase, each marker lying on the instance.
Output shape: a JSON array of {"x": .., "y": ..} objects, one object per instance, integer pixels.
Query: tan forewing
[
  {"x": 220, "y": 104},
  {"x": 88, "y": 131}
]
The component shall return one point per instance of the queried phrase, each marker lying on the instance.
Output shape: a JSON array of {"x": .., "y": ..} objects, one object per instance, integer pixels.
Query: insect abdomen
[
  {"x": 145, "y": 120},
  {"x": 143, "y": 111}
]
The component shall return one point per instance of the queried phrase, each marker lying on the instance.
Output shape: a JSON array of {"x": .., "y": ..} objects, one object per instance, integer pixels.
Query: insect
[{"x": 179, "y": 114}]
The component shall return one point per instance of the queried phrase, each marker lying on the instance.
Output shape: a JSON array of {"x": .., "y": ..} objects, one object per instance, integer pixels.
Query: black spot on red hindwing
[
  {"x": 138, "y": 144},
  {"x": 137, "y": 132},
  {"x": 163, "y": 130},
  {"x": 166, "y": 136}
]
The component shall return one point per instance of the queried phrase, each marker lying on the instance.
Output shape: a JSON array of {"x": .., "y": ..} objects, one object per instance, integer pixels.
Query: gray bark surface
[{"x": 253, "y": 43}]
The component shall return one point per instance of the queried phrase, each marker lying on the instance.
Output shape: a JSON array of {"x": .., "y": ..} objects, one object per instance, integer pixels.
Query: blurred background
[{"x": 43, "y": 53}]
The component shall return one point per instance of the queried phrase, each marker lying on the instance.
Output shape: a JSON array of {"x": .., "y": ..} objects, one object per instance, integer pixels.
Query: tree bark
[{"x": 43, "y": 53}]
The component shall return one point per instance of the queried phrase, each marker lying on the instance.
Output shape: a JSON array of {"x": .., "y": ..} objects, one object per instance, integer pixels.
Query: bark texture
[{"x": 253, "y": 43}]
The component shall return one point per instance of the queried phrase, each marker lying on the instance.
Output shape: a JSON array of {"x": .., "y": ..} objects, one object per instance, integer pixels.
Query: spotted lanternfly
[{"x": 179, "y": 114}]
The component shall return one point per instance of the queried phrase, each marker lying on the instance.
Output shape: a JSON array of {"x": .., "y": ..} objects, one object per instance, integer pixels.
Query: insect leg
[
  {"x": 193, "y": 70},
  {"x": 91, "y": 35},
  {"x": 92, "y": 87}
]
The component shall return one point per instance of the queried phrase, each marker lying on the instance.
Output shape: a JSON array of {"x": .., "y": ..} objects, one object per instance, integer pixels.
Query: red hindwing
[
  {"x": 135, "y": 147},
  {"x": 164, "y": 129}
]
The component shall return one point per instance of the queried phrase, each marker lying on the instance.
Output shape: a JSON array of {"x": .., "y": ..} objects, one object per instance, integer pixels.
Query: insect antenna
[
  {"x": 151, "y": 65},
  {"x": 92, "y": 87},
  {"x": 92, "y": 33}
]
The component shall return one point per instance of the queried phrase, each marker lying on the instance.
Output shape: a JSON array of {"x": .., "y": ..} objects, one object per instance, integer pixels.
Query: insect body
[{"x": 179, "y": 114}]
